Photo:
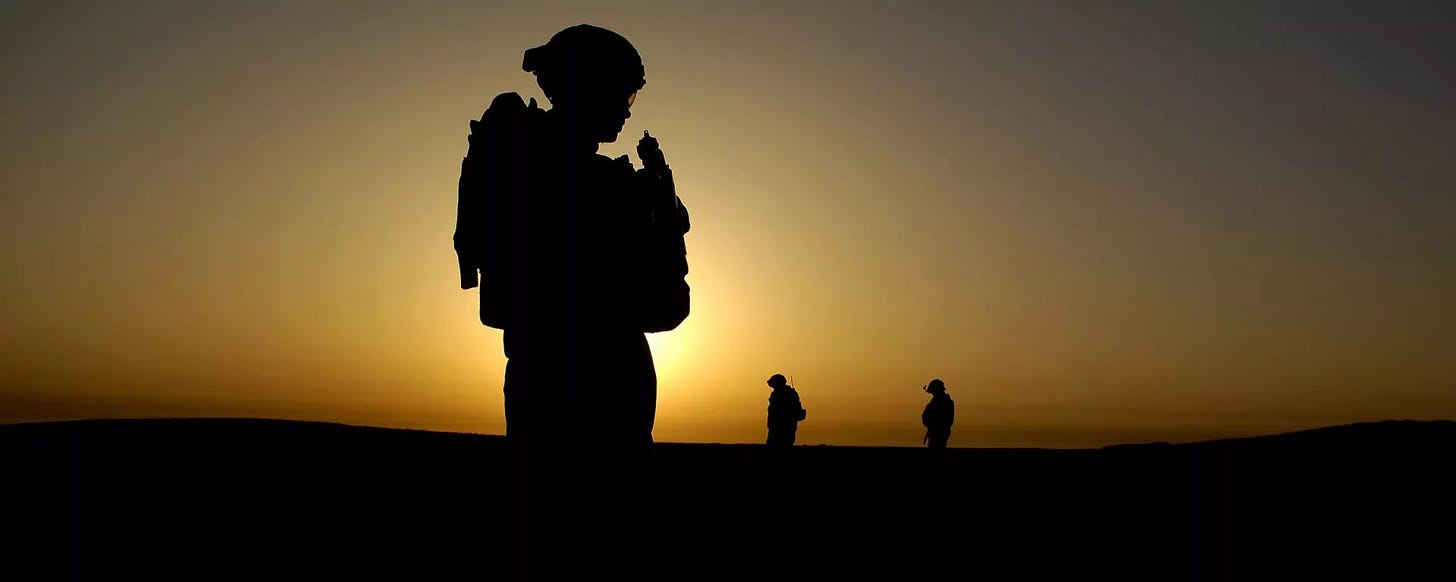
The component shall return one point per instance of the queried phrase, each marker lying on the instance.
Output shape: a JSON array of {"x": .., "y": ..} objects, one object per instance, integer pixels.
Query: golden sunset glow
[{"x": 1096, "y": 225}]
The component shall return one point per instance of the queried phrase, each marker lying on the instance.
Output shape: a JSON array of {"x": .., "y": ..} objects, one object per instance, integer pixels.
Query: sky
[{"x": 1096, "y": 222}]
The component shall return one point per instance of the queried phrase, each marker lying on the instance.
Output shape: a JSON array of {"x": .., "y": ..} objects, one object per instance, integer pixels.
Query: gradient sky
[{"x": 1098, "y": 222}]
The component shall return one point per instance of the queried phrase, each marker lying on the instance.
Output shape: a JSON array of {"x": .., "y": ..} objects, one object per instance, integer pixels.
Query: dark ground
[{"x": 212, "y": 499}]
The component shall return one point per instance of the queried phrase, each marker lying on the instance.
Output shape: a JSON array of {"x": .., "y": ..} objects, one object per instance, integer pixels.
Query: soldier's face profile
[
  {"x": 602, "y": 113},
  {"x": 614, "y": 110}
]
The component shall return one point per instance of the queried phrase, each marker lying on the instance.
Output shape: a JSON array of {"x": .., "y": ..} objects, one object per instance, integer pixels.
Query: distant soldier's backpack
[{"x": 494, "y": 183}]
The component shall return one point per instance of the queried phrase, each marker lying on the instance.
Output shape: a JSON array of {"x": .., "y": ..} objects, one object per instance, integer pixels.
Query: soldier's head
[
  {"x": 935, "y": 387},
  {"x": 777, "y": 381},
  {"x": 591, "y": 75}
]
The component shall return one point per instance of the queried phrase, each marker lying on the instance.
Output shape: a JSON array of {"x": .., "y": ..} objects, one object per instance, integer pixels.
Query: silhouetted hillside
[
  {"x": 1389, "y": 440},
  {"x": 107, "y": 499}
]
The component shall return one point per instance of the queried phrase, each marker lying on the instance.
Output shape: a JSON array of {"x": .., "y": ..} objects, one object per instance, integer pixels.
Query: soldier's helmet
[
  {"x": 586, "y": 58},
  {"x": 778, "y": 381},
  {"x": 935, "y": 386}
]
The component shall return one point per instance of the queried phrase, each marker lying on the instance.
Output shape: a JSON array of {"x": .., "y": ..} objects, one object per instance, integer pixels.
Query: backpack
[{"x": 493, "y": 187}]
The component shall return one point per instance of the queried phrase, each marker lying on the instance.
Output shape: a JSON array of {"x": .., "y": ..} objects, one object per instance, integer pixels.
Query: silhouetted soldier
[
  {"x": 578, "y": 255},
  {"x": 939, "y": 415},
  {"x": 784, "y": 412}
]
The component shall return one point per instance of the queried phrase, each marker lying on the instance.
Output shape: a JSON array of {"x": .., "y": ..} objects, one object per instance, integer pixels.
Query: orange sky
[{"x": 1097, "y": 224}]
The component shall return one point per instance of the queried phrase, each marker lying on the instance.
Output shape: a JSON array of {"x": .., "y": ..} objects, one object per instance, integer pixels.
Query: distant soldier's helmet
[
  {"x": 586, "y": 58},
  {"x": 935, "y": 386},
  {"x": 777, "y": 380}
]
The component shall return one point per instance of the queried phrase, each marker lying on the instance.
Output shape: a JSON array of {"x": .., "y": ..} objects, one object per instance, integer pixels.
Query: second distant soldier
[
  {"x": 784, "y": 412},
  {"x": 939, "y": 415}
]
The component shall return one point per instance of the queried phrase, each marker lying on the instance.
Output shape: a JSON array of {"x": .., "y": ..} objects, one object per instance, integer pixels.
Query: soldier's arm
[
  {"x": 682, "y": 215},
  {"x": 665, "y": 303}
]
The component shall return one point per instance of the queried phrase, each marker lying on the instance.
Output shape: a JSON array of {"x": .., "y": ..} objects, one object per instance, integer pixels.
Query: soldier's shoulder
[
  {"x": 510, "y": 105},
  {"x": 616, "y": 171},
  {"x": 619, "y": 165},
  {"x": 508, "y": 120},
  {"x": 508, "y": 99}
]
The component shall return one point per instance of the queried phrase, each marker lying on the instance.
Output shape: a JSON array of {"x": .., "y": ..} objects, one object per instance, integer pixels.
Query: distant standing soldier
[
  {"x": 938, "y": 416},
  {"x": 784, "y": 412}
]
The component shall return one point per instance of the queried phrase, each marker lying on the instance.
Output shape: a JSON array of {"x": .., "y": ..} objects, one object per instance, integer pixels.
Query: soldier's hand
[
  {"x": 650, "y": 153},
  {"x": 647, "y": 143}
]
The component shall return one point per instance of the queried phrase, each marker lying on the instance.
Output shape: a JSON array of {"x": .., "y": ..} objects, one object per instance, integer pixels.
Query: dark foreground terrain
[{"x": 226, "y": 499}]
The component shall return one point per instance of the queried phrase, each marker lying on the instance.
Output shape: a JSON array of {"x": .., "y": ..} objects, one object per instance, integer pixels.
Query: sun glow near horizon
[{"x": 1088, "y": 222}]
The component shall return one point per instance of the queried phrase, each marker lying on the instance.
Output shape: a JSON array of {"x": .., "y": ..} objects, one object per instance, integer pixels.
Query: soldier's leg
[
  {"x": 938, "y": 439},
  {"x": 528, "y": 435},
  {"x": 545, "y": 432},
  {"x": 614, "y": 475}
]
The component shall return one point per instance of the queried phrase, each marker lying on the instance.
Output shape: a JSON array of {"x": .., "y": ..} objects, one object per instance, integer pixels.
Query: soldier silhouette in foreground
[
  {"x": 576, "y": 256},
  {"x": 784, "y": 412},
  {"x": 939, "y": 415}
]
